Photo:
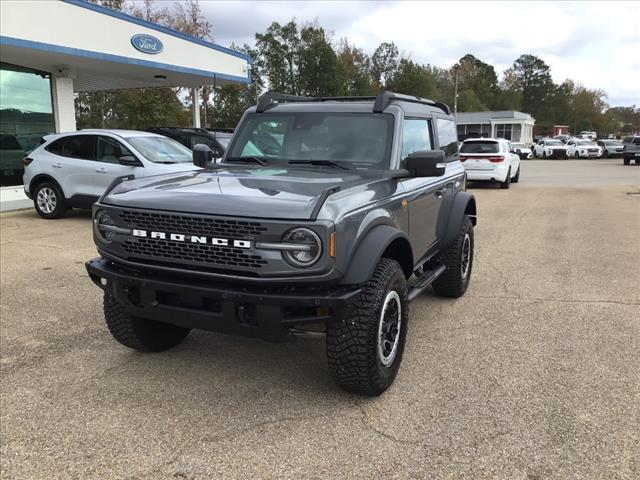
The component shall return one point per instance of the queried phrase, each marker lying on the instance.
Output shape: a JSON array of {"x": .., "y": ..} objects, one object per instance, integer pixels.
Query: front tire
[
  {"x": 577, "y": 154},
  {"x": 606, "y": 154},
  {"x": 48, "y": 201},
  {"x": 626, "y": 160},
  {"x": 458, "y": 260},
  {"x": 365, "y": 349},
  {"x": 140, "y": 333}
]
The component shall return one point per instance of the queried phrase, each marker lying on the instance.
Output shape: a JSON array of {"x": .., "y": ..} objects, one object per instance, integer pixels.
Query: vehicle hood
[{"x": 278, "y": 192}]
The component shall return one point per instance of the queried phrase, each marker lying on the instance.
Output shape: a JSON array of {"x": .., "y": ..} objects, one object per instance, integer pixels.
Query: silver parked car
[
  {"x": 611, "y": 148},
  {"x": 74, "y": 169}
]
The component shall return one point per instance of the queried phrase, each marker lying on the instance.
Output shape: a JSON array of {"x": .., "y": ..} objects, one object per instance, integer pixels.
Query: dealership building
[
  {"x": 51, "y": 50},
  {"x": 508, "y": 124}
]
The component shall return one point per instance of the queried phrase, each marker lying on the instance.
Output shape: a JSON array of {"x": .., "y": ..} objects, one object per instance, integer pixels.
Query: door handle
[
  {"x": 57, "y": 165},
  {"x": 440, "y": 192},
  {"x": 101, "y": 170}
]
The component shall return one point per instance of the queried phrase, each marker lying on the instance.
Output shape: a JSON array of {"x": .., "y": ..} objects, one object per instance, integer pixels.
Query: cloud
[{"x": 593, "y": 43}]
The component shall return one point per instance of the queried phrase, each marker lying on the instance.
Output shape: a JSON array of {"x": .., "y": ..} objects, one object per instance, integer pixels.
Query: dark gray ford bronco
[{"x": 325, "y": 215}]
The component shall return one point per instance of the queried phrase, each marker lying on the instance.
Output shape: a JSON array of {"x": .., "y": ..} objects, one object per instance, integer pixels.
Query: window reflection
[{"x": 26, "y": 114}]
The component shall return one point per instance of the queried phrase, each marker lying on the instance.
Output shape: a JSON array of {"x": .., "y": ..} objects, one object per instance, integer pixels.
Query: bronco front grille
[
  {"x": 186, "y": 224},
  {"x": 204, "y": 254}
]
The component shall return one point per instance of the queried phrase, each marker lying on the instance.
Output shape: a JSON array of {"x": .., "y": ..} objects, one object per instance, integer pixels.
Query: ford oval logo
[{"x": 146, "y": 44}]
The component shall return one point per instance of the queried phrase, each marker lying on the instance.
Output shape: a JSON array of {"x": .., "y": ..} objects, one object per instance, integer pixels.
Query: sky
[{"x": 596, "y": 44}]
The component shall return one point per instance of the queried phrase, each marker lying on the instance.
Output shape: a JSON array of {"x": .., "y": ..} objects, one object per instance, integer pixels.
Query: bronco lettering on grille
[{"x": 179, "y": 237}]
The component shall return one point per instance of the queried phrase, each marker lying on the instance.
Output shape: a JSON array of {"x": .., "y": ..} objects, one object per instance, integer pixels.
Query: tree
[
  {"x": 384, "y": 64},
  {"x": 355, "y": 68},
  {"x": 278, "y": 57},
  {"x": 532, "y": 78},
  {"x": 230, "y": 101},
  {"x": 413, "y": 79},
  {"x": 477, "y": 84},
  {"x": 320, "y": 73}
]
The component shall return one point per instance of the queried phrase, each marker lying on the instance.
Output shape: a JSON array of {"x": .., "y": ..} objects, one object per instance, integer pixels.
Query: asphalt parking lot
[{"x": 534, "y": 374}]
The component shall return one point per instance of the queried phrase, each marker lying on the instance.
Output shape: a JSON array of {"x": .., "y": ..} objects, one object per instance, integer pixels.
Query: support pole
[{"x": 195, "y": 96}]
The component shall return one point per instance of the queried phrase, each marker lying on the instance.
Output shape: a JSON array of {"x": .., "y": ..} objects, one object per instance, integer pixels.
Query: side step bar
[{"x": 424, "y": 280}]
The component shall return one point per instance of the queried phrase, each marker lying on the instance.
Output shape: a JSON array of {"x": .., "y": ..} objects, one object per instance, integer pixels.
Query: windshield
[
  {"x": 584, "y": 142},
  {"x": 161, "y": 149},
  {"x": 553, "y": 143},
  {"x": 518, "y": 145},
  {"x": 612, "y": 142},
  {"x": 479, "y": 147},
  {"x": 349, "y": 138}
]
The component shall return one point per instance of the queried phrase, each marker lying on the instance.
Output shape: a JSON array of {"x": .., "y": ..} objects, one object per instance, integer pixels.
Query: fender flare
[
  {"x": 368, "y": 253},
  {"x": 463, "y": 204}
]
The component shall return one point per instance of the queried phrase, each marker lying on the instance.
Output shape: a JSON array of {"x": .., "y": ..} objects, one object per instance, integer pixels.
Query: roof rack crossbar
[{"x": 382, "y": 100}]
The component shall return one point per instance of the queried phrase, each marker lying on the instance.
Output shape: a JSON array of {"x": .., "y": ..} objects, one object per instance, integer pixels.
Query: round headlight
[
  {"x": 309, "y": 243},
  {"x": 101, "y": 220}
]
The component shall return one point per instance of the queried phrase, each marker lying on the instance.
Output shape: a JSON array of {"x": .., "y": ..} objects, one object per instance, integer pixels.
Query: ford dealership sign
[{"x": 146, "y": 43}]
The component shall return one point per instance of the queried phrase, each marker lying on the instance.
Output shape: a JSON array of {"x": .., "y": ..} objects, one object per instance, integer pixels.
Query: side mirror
[
  {"x": 426, "y": 163},
  {"x": 202, "y": 155},
  {"x": 129, "y": 161}
]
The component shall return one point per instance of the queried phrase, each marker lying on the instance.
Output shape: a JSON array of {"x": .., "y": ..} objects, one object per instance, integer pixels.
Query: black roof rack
[
  {"x": 197, "y": 129},
  {"x": 382, "y": 100}
]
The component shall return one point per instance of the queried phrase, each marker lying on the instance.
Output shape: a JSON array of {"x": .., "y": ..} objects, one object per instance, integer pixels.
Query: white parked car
[
  {"x": 490, "y": 159},
  {"x": 579, "y": 148},
  {"x": 522, "y": 150},
  {"x": 588, "y": 135},
  {"x": 74, "y": 169},
  {"x": 550, "y": 148}
]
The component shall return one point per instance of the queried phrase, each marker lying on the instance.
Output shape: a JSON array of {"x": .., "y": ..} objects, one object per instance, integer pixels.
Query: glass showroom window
[
  {"x": 503, "y": 131},
  {"x": 26, "y": 114}
]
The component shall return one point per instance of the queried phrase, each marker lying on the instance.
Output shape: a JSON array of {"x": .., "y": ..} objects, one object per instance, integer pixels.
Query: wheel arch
[
  {"x": 463, "y": 204},
  {"x": 381, "y": 241},
  {"x": 41, "y": 178}
]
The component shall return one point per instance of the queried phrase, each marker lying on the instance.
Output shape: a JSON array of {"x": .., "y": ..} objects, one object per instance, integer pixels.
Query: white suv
[
  {"x": 491, "y": 160},
  {"x": 74, "y": 169},
  {"x": 579, "y": 148}
]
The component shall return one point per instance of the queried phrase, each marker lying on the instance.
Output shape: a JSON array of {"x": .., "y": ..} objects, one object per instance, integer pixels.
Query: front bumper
[{"x": 262, "y": 313}]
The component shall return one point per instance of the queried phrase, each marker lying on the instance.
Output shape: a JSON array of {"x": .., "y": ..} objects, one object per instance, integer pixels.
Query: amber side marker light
[{"x": 332, "y": 245}]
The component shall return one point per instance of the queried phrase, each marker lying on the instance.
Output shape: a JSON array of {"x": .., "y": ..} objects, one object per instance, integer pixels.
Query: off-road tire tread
[
  {"x": 450, "y": 283},
  {"x": 139, "y": 333},
  {"x": 352, "y": 342}
]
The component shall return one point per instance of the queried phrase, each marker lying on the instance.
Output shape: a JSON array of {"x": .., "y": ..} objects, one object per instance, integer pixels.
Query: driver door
[
  {"x": 423, "y": 194},
  {"x": 108, "y": 168}
]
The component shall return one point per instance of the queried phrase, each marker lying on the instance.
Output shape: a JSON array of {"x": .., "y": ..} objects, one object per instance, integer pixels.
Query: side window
[
  {"x": 55, "y": 147},
  {"x": 415, "y": 136},
  {"x": 447, "y": 138},
  {"x": 110, "y": 150},
  {"x": 82, "y": 147},
  {"x": 636, "y": 141}
]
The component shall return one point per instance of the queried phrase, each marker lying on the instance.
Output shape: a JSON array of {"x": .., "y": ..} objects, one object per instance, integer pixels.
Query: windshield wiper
[
  {"x": 330, "y": 163},
  {"x": 257, "y": 160}
]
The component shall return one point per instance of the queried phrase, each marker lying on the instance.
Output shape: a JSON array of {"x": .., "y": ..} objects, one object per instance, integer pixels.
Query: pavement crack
[
  {"x": 34, "y": 244},
  {"x": 560, "y": 300},
  {"x": 364, "y": 419}
]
